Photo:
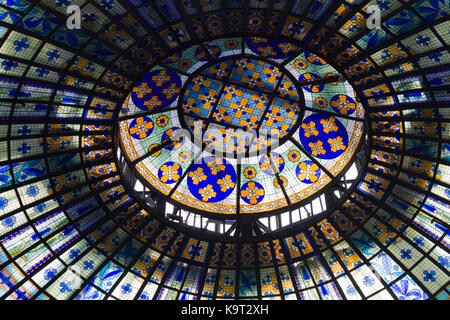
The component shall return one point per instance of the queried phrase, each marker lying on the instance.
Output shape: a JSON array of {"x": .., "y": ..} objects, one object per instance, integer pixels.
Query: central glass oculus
[
  {"x": 241, "y": 106},
  {"x": 236, "y": 109}
]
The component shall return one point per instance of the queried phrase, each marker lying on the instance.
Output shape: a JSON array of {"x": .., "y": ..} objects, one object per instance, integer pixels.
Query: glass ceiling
[{"x": 98, "y": 201}]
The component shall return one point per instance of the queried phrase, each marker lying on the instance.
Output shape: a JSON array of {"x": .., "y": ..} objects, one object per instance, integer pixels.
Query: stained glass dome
[
  {"x": 218, "y": 150},
  {"x": 263, "y": 130}
]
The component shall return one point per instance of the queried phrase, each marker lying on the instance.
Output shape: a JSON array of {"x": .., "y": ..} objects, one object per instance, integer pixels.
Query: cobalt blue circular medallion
[
  {"x": 343, "y": 104},
  {"x": 324, "y": 136},
  {"x": 307, "y": 172},
  {"x": 252, "y": 192},
  {"x": 212, "y": 179},
  {"x": 141, "y": 128},
  {"x": 170, "y": 172},
  {"x": 157, "y": 90}
]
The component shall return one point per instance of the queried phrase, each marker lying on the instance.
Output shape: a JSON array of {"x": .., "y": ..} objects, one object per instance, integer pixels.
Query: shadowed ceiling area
[{"x": 100, "y": 199}]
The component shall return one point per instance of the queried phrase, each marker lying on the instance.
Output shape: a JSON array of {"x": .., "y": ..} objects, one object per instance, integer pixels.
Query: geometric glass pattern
[{"x": 240, "y": 99}]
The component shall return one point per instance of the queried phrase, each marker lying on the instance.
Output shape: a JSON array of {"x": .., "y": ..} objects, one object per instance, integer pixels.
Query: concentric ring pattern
[{"x": 71, "y": 99}]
